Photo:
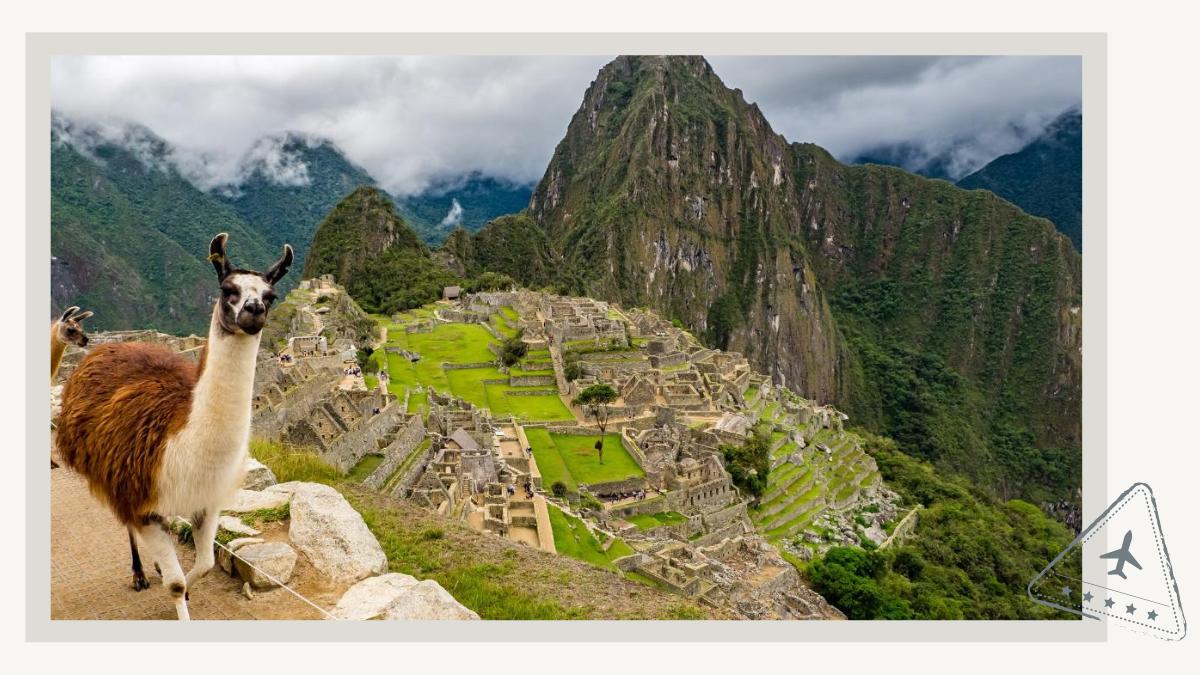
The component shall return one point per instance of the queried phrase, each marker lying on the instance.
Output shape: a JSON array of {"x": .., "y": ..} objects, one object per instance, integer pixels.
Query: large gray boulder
[
  {"x": 330, "y": 533},
  {"x": 265, "y": 565},
  {"x": 258, "y": 475},
  {"x": 399, "y": 597}
]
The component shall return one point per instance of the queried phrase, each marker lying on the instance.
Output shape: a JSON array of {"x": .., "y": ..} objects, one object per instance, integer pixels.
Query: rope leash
[{"x": 268, "y": 576}]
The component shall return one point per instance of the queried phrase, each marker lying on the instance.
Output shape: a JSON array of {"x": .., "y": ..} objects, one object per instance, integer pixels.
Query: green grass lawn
[
  {"x": 573, "y": 459},
  {"x": 365, "y": 467},
  {"x": 573, "y": 538},
  {"x": 548, "y": 408},
  {"x": 452, "y": 343},
  {"x": 464, "y": 343},
  {"x": 504, "y": 326},
  {"x": 649, "y": 521},
  {"x": 550, "y": 463}
]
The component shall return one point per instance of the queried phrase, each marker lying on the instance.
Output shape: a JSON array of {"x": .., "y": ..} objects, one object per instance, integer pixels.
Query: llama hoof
[{"x": 140, "y": 583}]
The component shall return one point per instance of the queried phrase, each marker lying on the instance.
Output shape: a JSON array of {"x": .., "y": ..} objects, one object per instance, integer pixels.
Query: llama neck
[
  {"x": 56, "y": 350},
  {"x": 223, "y": 393}
]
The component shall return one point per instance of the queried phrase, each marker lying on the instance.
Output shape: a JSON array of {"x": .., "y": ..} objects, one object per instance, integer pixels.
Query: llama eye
[{"x": 269, "y": 298}]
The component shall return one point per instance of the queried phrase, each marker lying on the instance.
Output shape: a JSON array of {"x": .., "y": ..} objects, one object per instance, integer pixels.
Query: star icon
[
  {"x": 1130, "y": 609},
  {"x": 1108, "y": 602},
  {"x": 1152, "y": 615},
  {"x": 1066, "y": 591},
  {"x": 1087, "y": 597}
]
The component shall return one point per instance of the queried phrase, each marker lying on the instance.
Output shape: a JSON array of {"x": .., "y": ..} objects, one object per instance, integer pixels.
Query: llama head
[
  {"x": 69, "y": 327},
  {"x": 246, "y": 295}
]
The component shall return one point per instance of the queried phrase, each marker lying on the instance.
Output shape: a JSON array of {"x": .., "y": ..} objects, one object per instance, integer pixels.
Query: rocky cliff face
[
  {"x": 946, "y": 318},
  {"x": 669, "y": 190}
]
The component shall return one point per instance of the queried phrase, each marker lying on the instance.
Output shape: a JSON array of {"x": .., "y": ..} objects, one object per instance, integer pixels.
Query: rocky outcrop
[
  {"x": 258, "y": 476},
  {"x": 248, "y": 501},
  {"x": 265, "y": 565},
  {"x": 399, "y": 597},
  {"x": 330, "y": 533}
]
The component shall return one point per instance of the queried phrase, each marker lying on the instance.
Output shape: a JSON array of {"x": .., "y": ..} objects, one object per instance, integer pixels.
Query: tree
[
  {"x": 595, "y": 401},
  {"x": 363, "y": 356},
  {"x": 749, "y": 464},
  {"x": 513, "y": 349},
  {"x": 571, "y": 368}
]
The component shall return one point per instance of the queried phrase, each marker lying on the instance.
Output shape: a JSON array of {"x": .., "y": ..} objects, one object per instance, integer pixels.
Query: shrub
[
  {"x": 559, "y": 489},
  {"x": 749, "y": 464},
  {"x": 513, "y": 349}
]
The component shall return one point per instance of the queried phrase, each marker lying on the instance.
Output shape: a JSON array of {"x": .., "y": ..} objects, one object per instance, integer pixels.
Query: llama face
[
  {"x": 246, "y": 296},
  {"x": 245, "y": 299},
  {"x": 70, "y": 328}
]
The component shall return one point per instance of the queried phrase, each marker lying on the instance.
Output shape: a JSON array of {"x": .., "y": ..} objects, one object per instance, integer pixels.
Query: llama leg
[
  {"x": 139, "y": 576},
  {"x": 204, "y": 531},
  {"x": 160, "y": 547}
]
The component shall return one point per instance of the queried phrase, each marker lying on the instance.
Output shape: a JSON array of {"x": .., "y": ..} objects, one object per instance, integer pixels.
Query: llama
[
  {"x": 66, "y": 331},
  {"x": 157, "y": 436}
]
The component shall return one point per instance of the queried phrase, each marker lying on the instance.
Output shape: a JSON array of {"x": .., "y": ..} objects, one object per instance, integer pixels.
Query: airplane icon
[{"x": 1122, "y": 556}]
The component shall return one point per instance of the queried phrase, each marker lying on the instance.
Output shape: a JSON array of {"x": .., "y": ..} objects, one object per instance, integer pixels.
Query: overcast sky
[{"x": 413, "y": 120}]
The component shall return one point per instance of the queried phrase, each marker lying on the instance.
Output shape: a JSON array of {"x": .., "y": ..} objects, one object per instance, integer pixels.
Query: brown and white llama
[
  {"x": 66, "y": 331},
  {"x": 157, "y": 436}
]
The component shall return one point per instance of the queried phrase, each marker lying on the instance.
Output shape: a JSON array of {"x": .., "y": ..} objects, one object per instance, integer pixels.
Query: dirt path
[{"x": 90, "y": 576}]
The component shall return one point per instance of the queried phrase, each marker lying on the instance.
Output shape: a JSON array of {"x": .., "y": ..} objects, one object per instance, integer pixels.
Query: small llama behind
[{"x": 66, "y": 331}]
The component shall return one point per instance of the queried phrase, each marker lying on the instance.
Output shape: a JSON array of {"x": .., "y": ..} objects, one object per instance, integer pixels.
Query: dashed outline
[{"x": 1121, "y": 501}]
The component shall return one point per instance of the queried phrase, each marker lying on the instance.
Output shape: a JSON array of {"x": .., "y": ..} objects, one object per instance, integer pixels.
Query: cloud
[
  {"x": 454, "y": 215},
  {"x": 969, "y": 109},
  {"x": 419, "y": 121},
  {"x": 409, "y": 121}
]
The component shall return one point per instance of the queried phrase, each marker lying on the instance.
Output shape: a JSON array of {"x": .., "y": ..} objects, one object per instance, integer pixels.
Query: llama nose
[{"x": 255, "y": 307}]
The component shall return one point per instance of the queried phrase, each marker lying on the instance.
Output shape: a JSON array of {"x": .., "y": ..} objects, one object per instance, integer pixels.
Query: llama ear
[
  {"x": 216, "y": 255},
  {"x": 81, "y": 317},
  {"x": 67, "y": 314},
  {"x": 275, "y": 272}
]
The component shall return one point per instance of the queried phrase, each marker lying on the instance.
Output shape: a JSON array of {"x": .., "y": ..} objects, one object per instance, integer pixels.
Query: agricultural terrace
[
  {"x": 464, "y": 344},
  {"x": 573, "y": 538},
  {"x": 572, "y": 459}
]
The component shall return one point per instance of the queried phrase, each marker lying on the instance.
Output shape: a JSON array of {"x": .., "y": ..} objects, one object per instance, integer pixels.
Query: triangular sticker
[{"x": 1126, "y": 573}]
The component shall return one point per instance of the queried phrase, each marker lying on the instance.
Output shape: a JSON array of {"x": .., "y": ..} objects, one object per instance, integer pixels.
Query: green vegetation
[
  {"x": 513, "y": 349},
  {"x": 129, "y": 235},
  {"x": 290, "y": 463},
  {"x": 653, "y": 520},
  {"x": 595, "y": 400},
  {"x": 573, "y": 538},
  {"x": 1044, "y": 178},
  {"x": 971, "y": 558},
  {"x": 365, "y": 467},
  {"x": 463, "y": 344},
  {"x": 749, "y": 464},
  {"x": 571, "y": 459}
]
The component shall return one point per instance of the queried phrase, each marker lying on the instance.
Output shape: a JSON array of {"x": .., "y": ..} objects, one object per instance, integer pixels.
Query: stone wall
[
  {"x": 407, "y": 440},
  {"x": 532, "y": 381},
  {"x": 347, "y": 449},
  {"x": 272, "y": 421}
]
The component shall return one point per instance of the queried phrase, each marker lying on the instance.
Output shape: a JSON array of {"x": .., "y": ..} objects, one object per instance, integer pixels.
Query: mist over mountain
[
  {"x": 129, "y": 233},
  {"x": 1045, "y": 178},
  {"x": 469, "y": 201}
]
